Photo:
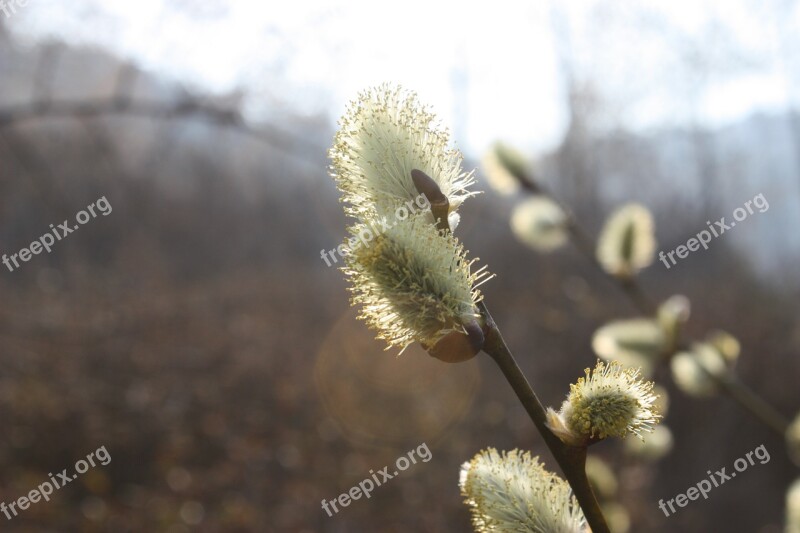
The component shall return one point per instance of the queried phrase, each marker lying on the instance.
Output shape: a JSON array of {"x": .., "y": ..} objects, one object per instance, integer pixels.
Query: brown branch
[
  {"x": 571, "y": 459},
  {"x": 748, "y": 399},
  {"x": 745, "y": 397}
]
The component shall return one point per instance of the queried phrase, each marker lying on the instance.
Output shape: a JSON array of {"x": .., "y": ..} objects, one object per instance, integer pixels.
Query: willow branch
[
  {"x": 748, "y": 400},
  {"x": 585, "y": 245},
  {"x": 745, "y": 397},
  {"x": 571, "y": 459}
]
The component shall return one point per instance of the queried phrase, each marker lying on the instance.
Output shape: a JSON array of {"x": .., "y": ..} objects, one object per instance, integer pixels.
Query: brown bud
[
  {"x": 440, "y": 205},
  {"x": 456, "y": 347}
]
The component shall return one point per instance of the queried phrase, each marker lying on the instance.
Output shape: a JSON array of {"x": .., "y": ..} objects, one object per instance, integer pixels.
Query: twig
[
  {"x": 748, "y": 400},
  {"x": 729, "y": 384},
  {"x": 585, "y": 245},
  {"x": 571, "y": 459}
]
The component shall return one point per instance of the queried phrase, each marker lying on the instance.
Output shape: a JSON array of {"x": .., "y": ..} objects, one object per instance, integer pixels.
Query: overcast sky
[{"x": 490, "y": 70}]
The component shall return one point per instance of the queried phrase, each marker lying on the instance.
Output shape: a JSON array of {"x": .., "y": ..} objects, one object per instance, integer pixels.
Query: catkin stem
[
  {"x": 571, "y": 459},
  {"x": 745, "y": 397}
]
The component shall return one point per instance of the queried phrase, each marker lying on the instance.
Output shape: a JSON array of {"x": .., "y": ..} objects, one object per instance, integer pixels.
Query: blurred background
[{"x": 196, "y": 333}]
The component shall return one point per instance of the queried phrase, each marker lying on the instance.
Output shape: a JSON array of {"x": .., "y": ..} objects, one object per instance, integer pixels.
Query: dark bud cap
[
  {"x": 440, "y": 205},
  {"x": 456, "y": 347}
]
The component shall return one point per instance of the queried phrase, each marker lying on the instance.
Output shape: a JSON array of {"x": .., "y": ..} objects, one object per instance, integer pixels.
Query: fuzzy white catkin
[
  {"x": 502, "y": 166},
  {"x": 512, "y": 492},
  {"x": 688, "y": 374},
  {"x": 610, "y": 401},
  {"x": 627, "y": 242},
  {"x": 635, "y": 343},
  {"x": 413, "y": 283},
  {"x": 384, "y": 135},
  {"x": 540, "y": 223}
]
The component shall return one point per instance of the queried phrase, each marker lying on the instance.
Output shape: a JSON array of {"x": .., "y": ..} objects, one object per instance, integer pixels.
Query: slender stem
[
  {"x": 571, "y": 459},
  {"x": 584, "y": 244},
  {"x": 629, "y": 286},
  {"x": 730, "y": 385},
  {"x": 741, "y": 393},
  {"x": 750, "y": 401}
]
